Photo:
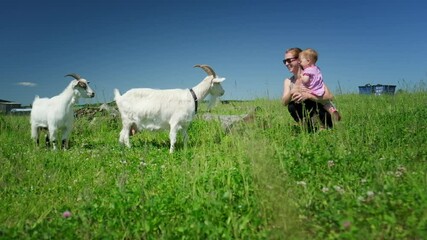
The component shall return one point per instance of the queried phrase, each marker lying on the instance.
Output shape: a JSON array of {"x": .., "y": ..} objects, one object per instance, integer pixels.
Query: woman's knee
[
  {"x": 294, "y": 111},
  {"x": 325, "y": 118}
]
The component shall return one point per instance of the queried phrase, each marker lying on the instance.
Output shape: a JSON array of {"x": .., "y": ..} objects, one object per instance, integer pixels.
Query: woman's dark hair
[{"x": 294, "y": 51}]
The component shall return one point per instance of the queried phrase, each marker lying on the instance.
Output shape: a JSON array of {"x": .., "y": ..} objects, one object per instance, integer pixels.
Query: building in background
[
  {"x": 6, "y": 106},
  {"x": 377, "y": 89}
]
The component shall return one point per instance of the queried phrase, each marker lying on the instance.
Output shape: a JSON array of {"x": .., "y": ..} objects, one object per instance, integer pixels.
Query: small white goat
[
  {"x": 173, "y": 109},
  {"x": 56, "y": 113}
]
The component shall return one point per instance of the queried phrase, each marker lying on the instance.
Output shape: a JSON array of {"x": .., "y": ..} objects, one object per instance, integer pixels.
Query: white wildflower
[
  {"x": 370, "y": 196},
  {"x": 339, "y": 189},
  {"x": 331, "y": 163},
  {"x": 301, "y": 183},
  {"x": 325, "y": 189},
  {"x": 400, "y": 171}
]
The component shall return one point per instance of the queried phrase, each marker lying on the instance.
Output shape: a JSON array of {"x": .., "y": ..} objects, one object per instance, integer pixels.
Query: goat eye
[{"x": 83, "y": 85}]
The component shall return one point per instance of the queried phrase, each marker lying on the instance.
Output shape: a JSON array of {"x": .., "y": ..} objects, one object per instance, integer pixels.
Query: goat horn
[
  {"x": 74, "y": 75},
  {"x": 207, "y": 69}
]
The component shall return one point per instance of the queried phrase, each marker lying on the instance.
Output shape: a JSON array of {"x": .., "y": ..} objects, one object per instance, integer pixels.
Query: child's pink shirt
[{"x": 315, "y": 83}]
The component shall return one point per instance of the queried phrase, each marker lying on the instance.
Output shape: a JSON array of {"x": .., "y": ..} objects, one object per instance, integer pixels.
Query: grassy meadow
[{"x": 269, "y": 179}]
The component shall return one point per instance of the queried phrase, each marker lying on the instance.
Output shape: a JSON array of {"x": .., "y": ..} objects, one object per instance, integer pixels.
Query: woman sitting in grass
[{"x": 303, "y": 106}]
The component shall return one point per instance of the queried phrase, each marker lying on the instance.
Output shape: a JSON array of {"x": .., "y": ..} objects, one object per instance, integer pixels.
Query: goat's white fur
[
  {"x": 56, "y": 113},
  {"x": 173, "y": 109}
]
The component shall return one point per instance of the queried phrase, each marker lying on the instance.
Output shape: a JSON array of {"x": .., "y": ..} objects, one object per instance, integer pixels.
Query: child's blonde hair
[{"x": 310, "y": 54}]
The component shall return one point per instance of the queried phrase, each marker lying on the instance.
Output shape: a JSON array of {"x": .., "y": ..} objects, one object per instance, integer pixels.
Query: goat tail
[
  {"x": 116, "y": 94},
  {"x": 36, "y": 98}
]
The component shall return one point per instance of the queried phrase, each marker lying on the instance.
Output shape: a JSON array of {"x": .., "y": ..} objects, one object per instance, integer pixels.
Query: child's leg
[{"x": 329, "y": 106}]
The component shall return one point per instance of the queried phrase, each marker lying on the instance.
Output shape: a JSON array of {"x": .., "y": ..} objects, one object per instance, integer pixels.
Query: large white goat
[
  {"x": 56, "y": 114},
  {"x": 173, "y": 109}
]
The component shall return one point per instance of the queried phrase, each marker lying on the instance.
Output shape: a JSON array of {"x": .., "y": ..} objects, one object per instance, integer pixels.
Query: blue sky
[{"x": 127, "y": 44}]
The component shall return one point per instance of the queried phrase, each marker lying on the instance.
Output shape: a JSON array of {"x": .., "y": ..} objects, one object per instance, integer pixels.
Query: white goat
[
  {"x": 173, "y": 109},
  {"x": 56, "y": 113}
]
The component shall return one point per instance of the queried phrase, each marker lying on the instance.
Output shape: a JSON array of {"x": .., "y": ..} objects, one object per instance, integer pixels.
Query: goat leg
[{"x": 47, "y": 140}]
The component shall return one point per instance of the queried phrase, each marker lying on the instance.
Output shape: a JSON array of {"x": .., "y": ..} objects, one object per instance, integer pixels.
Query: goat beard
[{"x": 213, "y": 100}]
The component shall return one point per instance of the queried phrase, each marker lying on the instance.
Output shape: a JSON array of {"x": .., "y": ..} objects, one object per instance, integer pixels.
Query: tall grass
[{"x": 366, "y": 178}]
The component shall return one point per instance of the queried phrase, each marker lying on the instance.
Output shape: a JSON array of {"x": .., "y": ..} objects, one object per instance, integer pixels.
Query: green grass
[{"x": 365, "y": 179}]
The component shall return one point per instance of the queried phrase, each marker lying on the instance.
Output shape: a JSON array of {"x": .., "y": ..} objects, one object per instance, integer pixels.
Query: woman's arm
[
  {"x": 286, "y": 97},
  {"x": 305, "y": 94},
  {"x": 321, "y": 99},
  {"x": 328, "y": 95}
]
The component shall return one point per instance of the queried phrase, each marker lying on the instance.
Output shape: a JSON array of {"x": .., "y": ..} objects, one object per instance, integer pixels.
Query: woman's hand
[{"x": 299, "y": 97}]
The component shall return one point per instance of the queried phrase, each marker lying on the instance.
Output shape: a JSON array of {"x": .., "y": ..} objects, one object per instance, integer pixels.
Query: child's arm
[{"x": 305, "y": 78}]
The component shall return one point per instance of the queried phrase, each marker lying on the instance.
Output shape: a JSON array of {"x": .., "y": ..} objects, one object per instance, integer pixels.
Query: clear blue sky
[{"x": 127, "y": 44}]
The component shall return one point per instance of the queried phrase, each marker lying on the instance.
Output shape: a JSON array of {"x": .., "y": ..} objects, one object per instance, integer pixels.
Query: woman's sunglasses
[{"x": 289, "y": 60}]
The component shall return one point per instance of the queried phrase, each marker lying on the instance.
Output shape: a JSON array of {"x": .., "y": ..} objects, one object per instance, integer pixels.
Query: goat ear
[
  {"x": 75, "y": 82},
  {"x": 218, "y": 80}
]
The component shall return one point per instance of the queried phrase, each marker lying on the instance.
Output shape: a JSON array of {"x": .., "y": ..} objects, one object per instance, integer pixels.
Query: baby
[{"x": 311, "y": 77}]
